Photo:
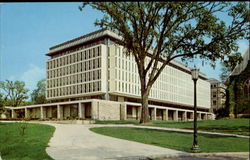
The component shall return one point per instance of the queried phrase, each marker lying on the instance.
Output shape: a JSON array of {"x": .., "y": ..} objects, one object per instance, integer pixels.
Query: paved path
[
  {"x": 172, "y": 129},
  {"x": 207, "y": 158},
  {"x": 72, "y": 141}
]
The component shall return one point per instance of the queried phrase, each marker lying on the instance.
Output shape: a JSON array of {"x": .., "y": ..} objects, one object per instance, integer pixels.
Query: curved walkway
[
  {"x": 173, "y": 129},
  {"x": 72, "y": 141}
]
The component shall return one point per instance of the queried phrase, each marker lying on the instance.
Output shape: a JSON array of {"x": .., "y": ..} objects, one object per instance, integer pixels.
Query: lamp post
[{"x": 195, "y": 75}]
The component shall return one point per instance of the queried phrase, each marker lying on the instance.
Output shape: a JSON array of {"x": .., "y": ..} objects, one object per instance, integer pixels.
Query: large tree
[
  {"x": 38, "y": 94},
  {"x": 158, "y": 32},
  {"x": 14, "y": 92}
]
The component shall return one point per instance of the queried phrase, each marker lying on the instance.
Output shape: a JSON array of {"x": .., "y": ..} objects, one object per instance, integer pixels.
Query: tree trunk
[
  {"x": 144, "y": 102},
  {"x": 227, "y": 107}
]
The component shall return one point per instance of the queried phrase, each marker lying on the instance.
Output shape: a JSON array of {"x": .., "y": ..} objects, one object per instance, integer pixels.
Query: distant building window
[{"x": 214, "y": 102}]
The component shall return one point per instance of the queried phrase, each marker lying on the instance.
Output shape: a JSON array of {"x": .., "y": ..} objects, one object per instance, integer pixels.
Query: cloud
[
  {"x": 31, "y": 76},
  {"x": 243, "y": 45}
]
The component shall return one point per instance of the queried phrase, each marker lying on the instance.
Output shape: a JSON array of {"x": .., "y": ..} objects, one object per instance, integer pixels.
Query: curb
[
  {"x": 186, "y": 155},
  {"x": 228, "y": 154}
]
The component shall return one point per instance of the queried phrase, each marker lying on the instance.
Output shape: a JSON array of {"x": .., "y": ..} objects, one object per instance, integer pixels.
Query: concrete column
[
  {"x": 199, "y": 116},
  {"x": 134, "y": 114},
  {"x": 27, "y": 113},
  {"x": 176, "y": 115},
  {"x": 166, "y": 114},
  {"x": 192, "y": 115},
  {"x": 154, "y": 114},
  {"x": 42, "y": 113},
  {"x": 206, "y": 116},
  {"x": 81, "y": 110},
  {"x": 184, "y": 116},
  {"x": 59, "y": 112},
  {"x": 13, "y": 113},
  {"x": 123, "y": 111},
  {"x": 95, "y": 110},
  {"x": 139, "y": 112},
  {"x": 209, "y": 117}
]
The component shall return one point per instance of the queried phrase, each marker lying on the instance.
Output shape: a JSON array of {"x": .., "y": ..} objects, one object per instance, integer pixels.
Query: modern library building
[{"x": 90, "y": 77}]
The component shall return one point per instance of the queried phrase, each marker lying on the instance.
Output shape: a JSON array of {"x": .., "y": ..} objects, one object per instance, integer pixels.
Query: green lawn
[
  {"x": 31, "y": 145},
  {"x": 117, "y": 122},
  {"x": 234, "y": 126},
  {"x": 175, "y": 140}
]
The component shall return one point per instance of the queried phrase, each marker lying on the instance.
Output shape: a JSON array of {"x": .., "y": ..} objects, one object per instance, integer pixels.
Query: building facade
[
  {"x": 218, "y": 94},
  {"x": 239, "y": 88},
  {"x": 91, "y": 77}
]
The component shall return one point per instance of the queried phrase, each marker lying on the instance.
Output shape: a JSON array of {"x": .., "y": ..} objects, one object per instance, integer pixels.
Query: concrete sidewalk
[
  {"x": 168, "y": 129},
  {"x": 72, "y": 141}
]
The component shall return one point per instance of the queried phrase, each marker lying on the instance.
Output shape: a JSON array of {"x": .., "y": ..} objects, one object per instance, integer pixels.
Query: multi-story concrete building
[
  {"x": 218, "y": 94},
  {"x": 91, "y": 77}
]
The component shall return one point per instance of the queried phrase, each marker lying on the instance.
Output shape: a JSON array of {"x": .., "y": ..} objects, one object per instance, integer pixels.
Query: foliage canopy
[{"x": 158, "y": 32}]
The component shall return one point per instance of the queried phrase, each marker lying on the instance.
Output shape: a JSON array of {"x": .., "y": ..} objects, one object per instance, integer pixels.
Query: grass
[
  {"x": 176, "y": 140},
  {"x": 117, "y": 122},
  {"x": 30, "y": 144},
  {"x": 233, "y": 126}
]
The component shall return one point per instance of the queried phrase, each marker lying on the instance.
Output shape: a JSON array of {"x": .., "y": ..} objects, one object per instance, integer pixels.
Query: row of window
[
  {"x": 73, "y": 79},
  {"x": 75, "y": 68},
  {"x": 127, "y": 87},
  {"x": 76, "y": 89},
  {"x": 126, "y": 76},
  {"x": 77, "y": 48},
  {"x": 72, "y": 58},
  {"x": 125, "y": 64}
]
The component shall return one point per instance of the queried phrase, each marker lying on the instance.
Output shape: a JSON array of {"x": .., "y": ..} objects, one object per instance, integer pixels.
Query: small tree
[
  {"x": 38, "y": 94},
  {"x": 1, "y": 103},
  {"x": 14, "y": 92},
  {"x": 155, "y": 33}
]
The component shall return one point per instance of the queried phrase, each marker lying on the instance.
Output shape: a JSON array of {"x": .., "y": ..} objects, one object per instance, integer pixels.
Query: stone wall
[{"x": 105, "y": 110}]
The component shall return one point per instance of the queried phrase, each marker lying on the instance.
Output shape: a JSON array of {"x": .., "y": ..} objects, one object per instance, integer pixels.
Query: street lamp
[{"x": 195, "y": 76}]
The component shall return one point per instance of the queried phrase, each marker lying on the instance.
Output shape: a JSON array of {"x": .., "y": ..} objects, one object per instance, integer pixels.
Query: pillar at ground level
[
  {"x": 139, "y": 112},
  {"x": 27, "y": 113},
  {"x": 154, "y": 114},
  {"x": 184, "y": 114},
  {"x": 123, "y": 111},
  {"x": 206, "y": 116},
  {"x": 198, "y": 116},
  {"x": 165, "y": 114},
  {"x": 175, "y": 115},
  {"x": 81, "y": 110},
  {"x": 41, "y": 113},
  {"x": 59, "y": 112},
  {"x": 13, "y": 114}
]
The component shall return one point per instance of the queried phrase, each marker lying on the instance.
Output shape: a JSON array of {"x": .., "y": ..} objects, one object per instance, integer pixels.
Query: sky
[{"x": 28, "y": 30}]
